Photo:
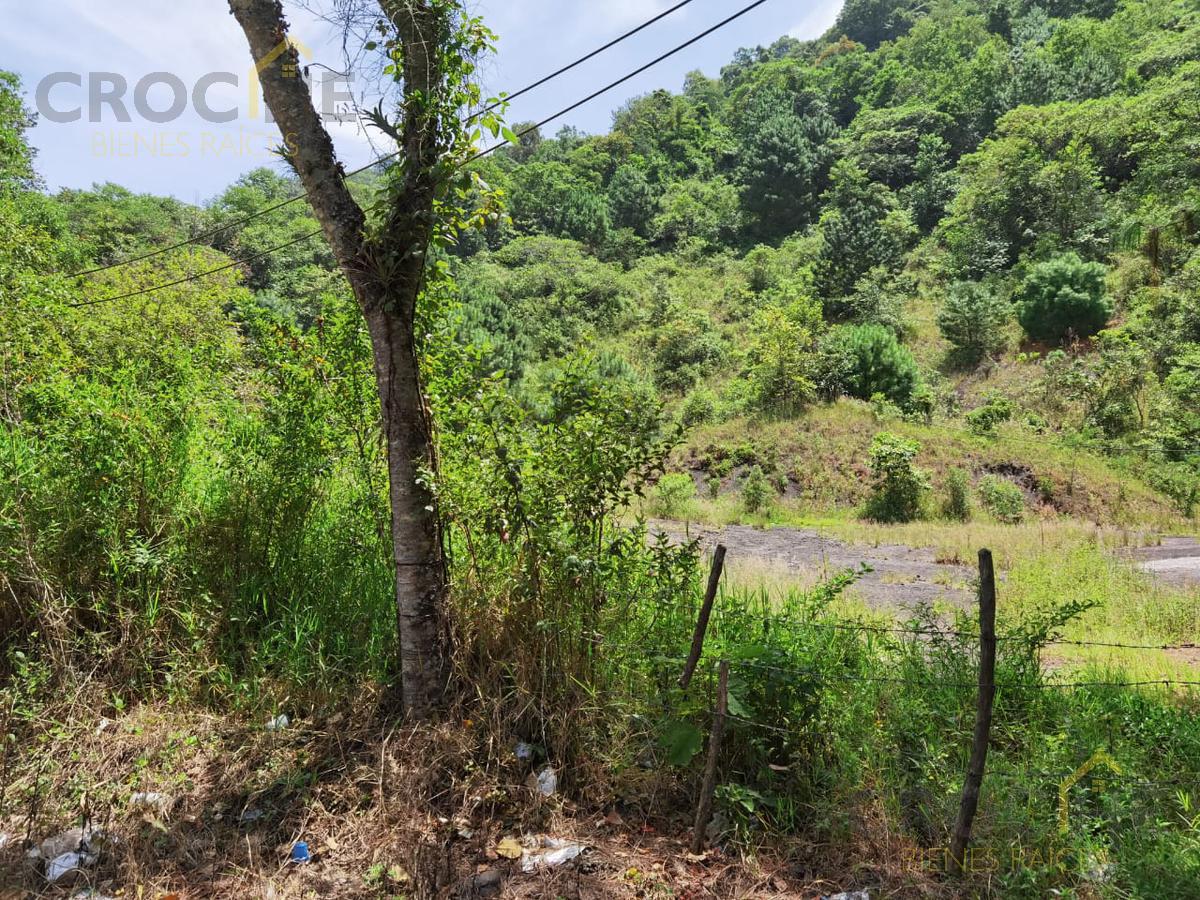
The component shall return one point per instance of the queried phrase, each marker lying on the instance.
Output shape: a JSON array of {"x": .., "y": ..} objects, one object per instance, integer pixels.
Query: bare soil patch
[
  {"x": 1176, "y": 560},
  {"x": 900, "y": 577}
]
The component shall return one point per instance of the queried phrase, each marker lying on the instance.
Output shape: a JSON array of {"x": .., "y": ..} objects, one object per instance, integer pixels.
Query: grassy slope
[{"x": 822, "y": 455}]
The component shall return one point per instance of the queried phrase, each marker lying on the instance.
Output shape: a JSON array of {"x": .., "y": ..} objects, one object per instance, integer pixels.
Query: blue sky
[{"x": 194, "y": 159}]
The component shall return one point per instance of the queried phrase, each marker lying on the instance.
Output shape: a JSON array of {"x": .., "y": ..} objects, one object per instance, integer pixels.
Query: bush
[
  {"x": 973, "y": 319},
  {"x": 956, "y": 504},
  {"x": 756, "y": 492},
  {"x": 1002, "y": 499},
  {"x": 864, "y": 360},
  {"x": 687, "y": 348},
  {"x": 883, "y": 409},
  {"x": 672, "y": 493},
  {"x": 897, "y": 486},
  {"x": 713, "y": 483},
  {"x": 923, "y": 404},
  {"x": 780, "y": 354},
  {"x": 1063, "y": 297},
  {"x": 698, "y": 408},
  {"x": 984, "y": 419}
]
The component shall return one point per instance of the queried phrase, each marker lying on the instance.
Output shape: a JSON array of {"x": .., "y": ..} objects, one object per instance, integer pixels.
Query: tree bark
[{"x": 386, "y": 276}]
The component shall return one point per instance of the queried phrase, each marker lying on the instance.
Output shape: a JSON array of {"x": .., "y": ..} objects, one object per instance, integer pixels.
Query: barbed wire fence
[{"x": 986, "y": 687}]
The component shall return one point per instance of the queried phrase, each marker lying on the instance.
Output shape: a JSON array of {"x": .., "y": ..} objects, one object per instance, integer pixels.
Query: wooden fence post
[
  {"x": 983, "y": 714},
  {"x": 704, "y": 808},
  {"x": 710, "y": 594}
]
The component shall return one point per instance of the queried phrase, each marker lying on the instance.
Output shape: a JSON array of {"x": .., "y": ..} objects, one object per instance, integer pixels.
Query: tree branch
[{"x": 304, "y": 136}]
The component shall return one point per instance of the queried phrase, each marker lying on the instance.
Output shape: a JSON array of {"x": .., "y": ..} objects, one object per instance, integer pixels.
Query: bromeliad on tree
[{"x": 430, "y": 47}]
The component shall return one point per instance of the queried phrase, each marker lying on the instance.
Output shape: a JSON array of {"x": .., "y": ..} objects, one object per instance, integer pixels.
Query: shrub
[
  {"x": 1178, "y": 482},
  {"x": 864, "y": 360},
  {"x": 713, "y": 483},
  {"x": 956, "y": 504},
  {"x": 882, "y": 408},
  {"x": 780, "y": 355},
  {"x": 897, "y": 486},
  {"x": 687, "y": 347},
  {"x": 698, "y": 408},
  {"x": 672, "y": 493},
  {"x": 924, "y": 402},
  {"x": 1062, "y": 297},
  {"x": 1002, "y": 499},
  {"x": 755, "y": 490},
  {"x": 984, "y": 419},
  {"x": 973, "y": 319}
]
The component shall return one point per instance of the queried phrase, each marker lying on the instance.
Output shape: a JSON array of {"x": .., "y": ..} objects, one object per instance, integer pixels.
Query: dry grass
[
  {"x": 959, "y": 542},
  {"x": 387, "y": 811},
  {"x": 822, "y": 457}
]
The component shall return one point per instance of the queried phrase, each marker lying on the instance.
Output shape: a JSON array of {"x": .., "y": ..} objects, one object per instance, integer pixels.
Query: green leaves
[
  {"x": 681, "y": 741},
  {"x": 1062, "y": 297}
]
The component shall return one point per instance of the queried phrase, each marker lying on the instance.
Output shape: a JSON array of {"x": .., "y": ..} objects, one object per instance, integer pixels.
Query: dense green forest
[
  {"x": 941, "y": 264},
  {"x": 885, "y": 216}
]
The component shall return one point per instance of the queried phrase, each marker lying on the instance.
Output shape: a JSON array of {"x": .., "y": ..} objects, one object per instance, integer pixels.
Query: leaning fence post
[
  {"x": 710, "y": 594},
  {"x": 704, "y": 808},
  {"x": 983, "y": 713}
]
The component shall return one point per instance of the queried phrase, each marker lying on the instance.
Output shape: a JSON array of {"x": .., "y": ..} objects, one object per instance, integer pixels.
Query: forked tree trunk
[{"x": 386, "y": 276}]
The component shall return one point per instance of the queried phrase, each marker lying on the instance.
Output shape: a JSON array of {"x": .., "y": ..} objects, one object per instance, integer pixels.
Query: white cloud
[{"x": 817, "y": 22}]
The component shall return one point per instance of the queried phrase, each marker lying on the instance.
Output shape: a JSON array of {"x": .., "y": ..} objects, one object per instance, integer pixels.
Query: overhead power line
[
  {"x": 482, "y": 153},
  {"x": 506, "y": 98}
]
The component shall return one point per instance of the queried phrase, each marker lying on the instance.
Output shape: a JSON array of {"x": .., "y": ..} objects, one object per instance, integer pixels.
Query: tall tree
[
  {"x": 429, "y": 45},
  {"x": 784, "y": 153}
]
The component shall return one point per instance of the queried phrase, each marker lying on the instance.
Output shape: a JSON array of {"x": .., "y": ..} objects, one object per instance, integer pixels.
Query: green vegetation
[
  {"x": 1002, "y": 499},
  {"x": 972, "y": 319},
  {"x": 956, "y": 504},
  {"x": 1063, "y": 297},
  {"x": 897, "y": 486},
  {"x": 794, "y": 284},
  {"x": 672, "y": 494}
]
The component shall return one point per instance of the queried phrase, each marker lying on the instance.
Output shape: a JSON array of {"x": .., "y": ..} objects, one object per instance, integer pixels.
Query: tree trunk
[
  {"x": 388, "y": 300},
  {"x": 416, "y": 541}
]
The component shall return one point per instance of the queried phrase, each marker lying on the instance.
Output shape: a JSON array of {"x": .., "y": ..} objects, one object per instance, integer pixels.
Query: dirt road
[
  {"x": 900, "y": 577},
  {"x": 1175, "y": 560}
]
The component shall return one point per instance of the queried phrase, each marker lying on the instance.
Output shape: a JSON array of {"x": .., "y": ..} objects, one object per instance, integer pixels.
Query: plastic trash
[
  {"x": 279, "y": 723},
  {"x": 250, "y": 816},
  {"x": 89, "y": 840},
  {"x": 70, "y": 863},
  {"x": 4, "y": 840},
  {"x": 550, "y": 852},
  {"x": 849, "y": 895},
  {"x": 68, "y": 853},
  {"x": 300, "y": 852},
  {"x": 63, "y": 842},
  {"x": 523, "y": 750},
  {"x": 151, "y": 800},
  {"x": 547, "y": 781},
  {"x": 510, "y": 848}
]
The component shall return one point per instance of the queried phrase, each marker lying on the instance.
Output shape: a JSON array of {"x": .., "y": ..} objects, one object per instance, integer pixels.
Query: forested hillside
[
  {"x": 932, "y": 279},
  {"x": 940, "y": 210}
]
